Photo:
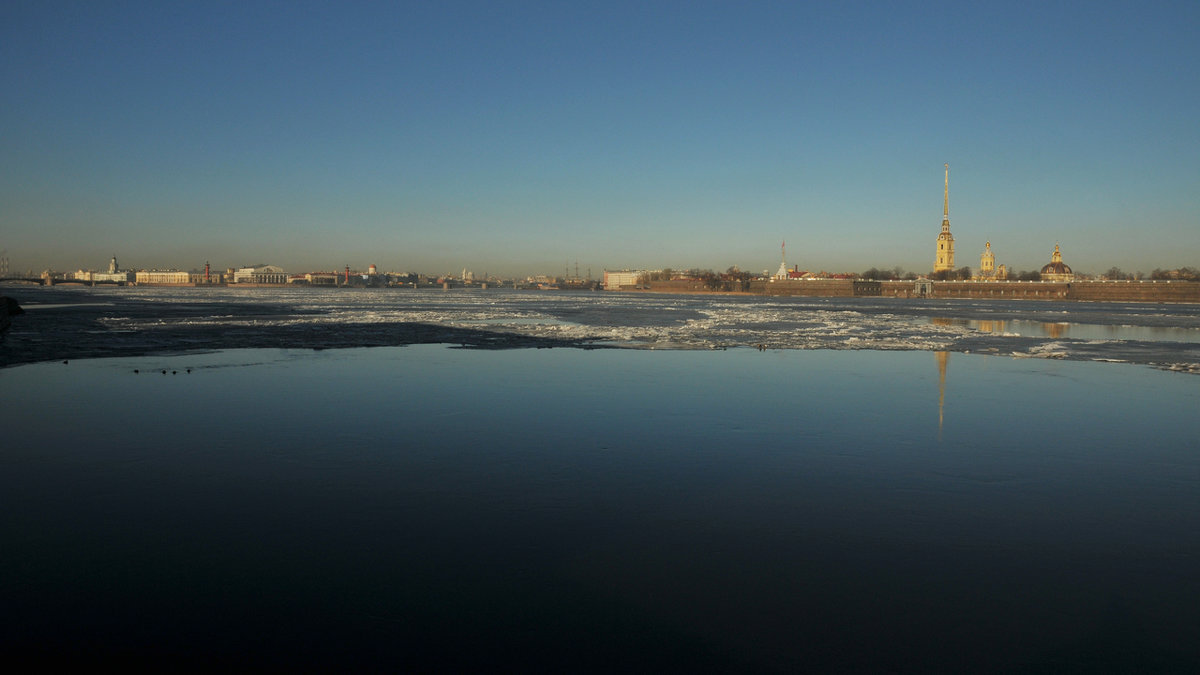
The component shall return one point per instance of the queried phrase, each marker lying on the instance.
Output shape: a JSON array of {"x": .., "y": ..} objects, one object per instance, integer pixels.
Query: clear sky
[{"x": 521, "y": 137}]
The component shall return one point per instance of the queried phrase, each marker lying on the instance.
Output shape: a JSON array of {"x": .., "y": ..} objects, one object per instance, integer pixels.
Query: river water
[
  {"x": 879, "y": 487},
  {"x": 86, "y": 322}
]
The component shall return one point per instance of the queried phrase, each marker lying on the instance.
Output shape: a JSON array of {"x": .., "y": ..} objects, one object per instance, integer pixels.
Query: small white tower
[{"x": 783, "y": 270}]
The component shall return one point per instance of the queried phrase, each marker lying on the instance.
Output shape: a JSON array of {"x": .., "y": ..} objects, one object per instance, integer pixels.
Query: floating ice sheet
[{"x": 82, "y": 322}]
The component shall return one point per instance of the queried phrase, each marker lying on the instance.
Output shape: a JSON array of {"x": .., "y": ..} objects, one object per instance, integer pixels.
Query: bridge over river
[{"x": 50, "y": 281}]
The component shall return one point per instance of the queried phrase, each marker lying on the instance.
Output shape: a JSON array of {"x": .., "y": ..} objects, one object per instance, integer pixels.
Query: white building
[
  {"x": 162, "y": 277},
  {"x": 119, "y": 277},
  {"x": 616, "y": 280},
  {"x": 260, "y": 274},
  {"x": 113, "y": 275}
]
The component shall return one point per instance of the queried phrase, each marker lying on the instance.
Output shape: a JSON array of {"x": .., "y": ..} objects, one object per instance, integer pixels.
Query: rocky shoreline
[{"x": 186, "y": 339}]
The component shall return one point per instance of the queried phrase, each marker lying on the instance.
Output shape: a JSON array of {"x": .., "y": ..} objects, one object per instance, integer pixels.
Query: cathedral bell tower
[
  {"x": 944, "y": 262},
  {"x": 987, "y": 262}
]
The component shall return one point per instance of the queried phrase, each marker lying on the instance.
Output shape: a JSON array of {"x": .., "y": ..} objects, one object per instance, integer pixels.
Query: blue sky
[{"x": 519, "y": 138}]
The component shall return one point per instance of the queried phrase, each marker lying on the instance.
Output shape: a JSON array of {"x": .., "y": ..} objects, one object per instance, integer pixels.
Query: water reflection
[
  {"x": 697, "y": 511},
  {"x": 943, "y": 362},
  {"x": 1062, "y": 329}
]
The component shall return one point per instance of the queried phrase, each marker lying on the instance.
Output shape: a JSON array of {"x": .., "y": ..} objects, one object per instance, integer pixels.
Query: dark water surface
[{"x": 424, "y": 507}]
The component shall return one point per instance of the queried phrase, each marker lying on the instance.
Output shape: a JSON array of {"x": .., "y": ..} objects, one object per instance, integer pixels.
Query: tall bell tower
[{"x": 944, "y": 261}]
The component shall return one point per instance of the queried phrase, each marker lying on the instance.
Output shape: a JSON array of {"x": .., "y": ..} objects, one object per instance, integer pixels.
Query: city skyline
[{"x": 521, "y": 138}]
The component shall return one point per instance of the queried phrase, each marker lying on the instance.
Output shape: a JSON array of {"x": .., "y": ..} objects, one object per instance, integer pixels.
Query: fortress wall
[
  {"x": 1093, "y": 291},
  {"x": 994, "y": 290},
  {"x": 823, "y": 288},
  {"x": 1136, "y": 291},
  {"x": 1002, "y": 290},
  {"x": 898, "y": 289},
  {"x": 679, "y": 286}
]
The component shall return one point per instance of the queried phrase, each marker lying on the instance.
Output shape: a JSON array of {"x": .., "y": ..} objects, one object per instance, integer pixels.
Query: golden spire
[
  {"x": 946, "y": 201},
  {"x": 944, "y": 262}
]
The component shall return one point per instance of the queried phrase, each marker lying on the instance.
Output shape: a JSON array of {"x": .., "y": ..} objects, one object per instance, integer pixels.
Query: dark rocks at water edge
[
  {"x": 9, "y": 306},
  {"x": 8, "y": 309},
  {"x": 90, "y": 340}
]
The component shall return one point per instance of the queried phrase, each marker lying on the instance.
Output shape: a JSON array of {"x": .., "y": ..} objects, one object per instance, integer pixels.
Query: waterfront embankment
[{"x": 1086, "y": 291}]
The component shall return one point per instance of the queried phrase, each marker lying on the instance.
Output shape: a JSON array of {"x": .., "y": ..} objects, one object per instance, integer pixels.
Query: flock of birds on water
[{"x": 138, "y": 370}]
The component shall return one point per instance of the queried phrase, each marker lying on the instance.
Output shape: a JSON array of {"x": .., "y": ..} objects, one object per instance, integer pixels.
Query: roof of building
[{"x": 1056, "y": 265}]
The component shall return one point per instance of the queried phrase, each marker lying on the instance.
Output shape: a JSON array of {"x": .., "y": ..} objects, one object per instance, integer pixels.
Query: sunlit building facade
[{"x": 260, "y": 274}]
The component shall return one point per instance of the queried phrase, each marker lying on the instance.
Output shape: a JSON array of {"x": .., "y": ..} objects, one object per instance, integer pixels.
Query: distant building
[
  {"x": 260, "y": 274},
  {"x": 321, "y": 278},
  {"x": 624, "y": 279},
  {"x": 113, "y": 275},
  {"x": 206, "y": 278},
  {"x": 162, "y": 278},
  {"x": 944, "y": 262},
  {"x": 1057, "y": 270},
  {"x": 987, "y": 261},
  {"x": 988, "y": 271}
]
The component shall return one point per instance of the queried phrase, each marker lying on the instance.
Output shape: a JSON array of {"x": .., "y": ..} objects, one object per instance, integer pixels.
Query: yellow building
[
  {"x": 988, "y": 270},
  {"x": 944, "y": 262},
  {"x": 162, "y": 278},
  {"x": 1057, "y": 270}
]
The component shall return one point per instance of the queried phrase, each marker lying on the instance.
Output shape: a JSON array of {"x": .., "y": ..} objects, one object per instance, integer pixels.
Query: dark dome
[{"x": 1056, "y": 268}]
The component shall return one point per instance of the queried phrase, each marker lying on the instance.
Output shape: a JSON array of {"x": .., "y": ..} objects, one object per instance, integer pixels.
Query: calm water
[{"x": 562, "y": 509}]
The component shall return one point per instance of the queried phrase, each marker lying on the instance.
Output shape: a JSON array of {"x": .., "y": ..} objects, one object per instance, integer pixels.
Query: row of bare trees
[{"x": 1181, "y": 274}]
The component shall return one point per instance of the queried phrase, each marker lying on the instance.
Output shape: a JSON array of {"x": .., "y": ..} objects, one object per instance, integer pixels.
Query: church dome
[{"x": 1056, "y": 268}]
